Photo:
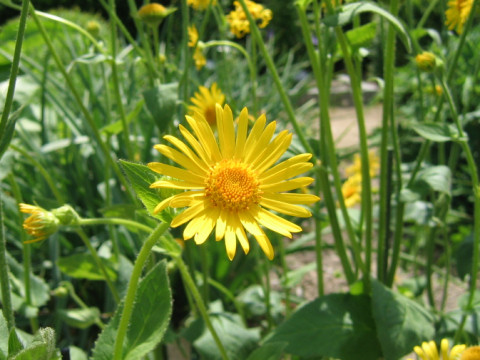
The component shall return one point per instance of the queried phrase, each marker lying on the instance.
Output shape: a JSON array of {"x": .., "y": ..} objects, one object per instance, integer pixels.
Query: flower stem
[
  {"x": 14, "y": 70},
  {"x": 132, "y": 288},
  {"x": 190, "y": 285},
  {"x": 99, "y": 263},
  {"x": 115, "y": 221},
  {"x": 4, "y": 281}
]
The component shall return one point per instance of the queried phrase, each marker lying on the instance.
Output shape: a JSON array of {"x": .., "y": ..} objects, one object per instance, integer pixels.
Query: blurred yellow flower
[
  {"x": 198, "y": 57},
  {"x": 40, "y": 224},
  {"x": 232, "y": 184},
  {"x": 239, "y": 25},
  {"x": 352, "y": 190},
  {"x": 429, "y": 351},
  {"x": 201, "y": 4},
  {"x": 356, "y": 167},
  {"x": 192, "y": 36},
  {"x": 204, "y": 102},
  {"x": 457, "y": 14},
  {"x": 471, "y": 353}
]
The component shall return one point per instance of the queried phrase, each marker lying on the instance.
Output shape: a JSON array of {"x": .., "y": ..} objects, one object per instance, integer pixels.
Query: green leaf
[
  {"x": 161, "y": 102},
  {"x": 293, "y": 277},
  {"x": 335, "y": 325},
  {"x": 80, "y": 318},
  {"x": 117, "y": 127},
  {"x": 3, "y": 337},
  {"x": 83, "y": 266},
  {"x": 270, "y": 351},
  {"x": 238, "y": 341},
  {"x": 362, "y": 36},
  {"x": 141, "y": 177},
  {"x": 349, "y": 11},
  {"x": 401, "y": 323},
  {"x": 14, "y": 344},
  {"x": 150, "y": 318},
  {"x": 437, "y": 178},
  {"x": 436, "y": 132}
]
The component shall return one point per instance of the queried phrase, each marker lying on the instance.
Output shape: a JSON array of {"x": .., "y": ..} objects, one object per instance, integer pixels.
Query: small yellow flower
[
  {"x": 201, "y": 4},
  {"x": 457, "y": 14},
  {"x": 153, "y": 14},
  {"x": 471, "y": 353},
  {"x": 40, "y": 224},
  {"x": 232, "y": 185},
  {"x": 356, "y": 167},
  {"x": 199, "y": 58},
  {"x": 239, "y": 25},
  {"x": 352, "y": 190},
  {"x": 93, "y": 27},
  {"x": 429, "y": 351},
  {"x": 204, "y": 102},
  {"x": 426, "y": 61},
  {"x": 192, "y": 36}
]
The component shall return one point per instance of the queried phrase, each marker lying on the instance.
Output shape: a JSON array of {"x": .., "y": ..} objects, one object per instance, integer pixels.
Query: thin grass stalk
[
  {"x": 286, "y": 288},
  {"x": 185, "y": 51},
  {"x": 366, "y": 181},
  {"x": 14, "y": 69},
  {"x": 129, "y": 299},
  {"x": 205, "y": 274},
  {"x": 116, "y": 83},
  {"x": 472, "y": 168},
  {"x": 190, "y": 285},
  {"x": 327, "y": 154},
  {"x": 7, "y": 308},
  {"x": 83, "y": 109},
  {"x": 115, "y": 221}
]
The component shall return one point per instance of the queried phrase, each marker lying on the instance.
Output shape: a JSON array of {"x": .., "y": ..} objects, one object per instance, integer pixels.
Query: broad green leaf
[
  {"x": 294, "y": 277},
  {"x": 141, "y": 177},
  {"x": 150, "y": 318},
  {"x": 161, "y": 102},
  {"x": 77, "y": 353},
  {"x": 349, "y": 11},
  {"x": 14, "y": 344},
  {"x": 463, "y": 255},
  {"x": 83, "y": 266},
  {"x": 237, "y": 340},
  {"x": 336, "y": 325},
  {"x": 80, "y": 318},
  {"x": 42, "y": 347},
  {"x": 363, "y": 35},
  {"x": 419, "y": 212},
  {"x": 3, "y": 337},
  {"x": 401, "y": 323},
  {"x": 436, "y": 132},
  {"x": 270, "y": 351},
  {"x": 438, "y": 178}
]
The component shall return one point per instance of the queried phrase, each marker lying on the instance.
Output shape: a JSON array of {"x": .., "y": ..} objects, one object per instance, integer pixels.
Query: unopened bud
[{"x": 426, "y": 61}]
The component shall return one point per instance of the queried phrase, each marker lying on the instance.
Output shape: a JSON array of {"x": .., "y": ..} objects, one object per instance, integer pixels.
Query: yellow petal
[
  {"x": 162, "y": 204},
  {"x": 286, "y": 185},
  {"x": 241, "y": 133},
  {"x": 177, "y": 173},
  {"x": 254, "y": 134},
  {"x": 230, "y": 242},
  {"x": 208, "y": 223},
  {"x": 253, "y": 150},
  {"x": 205, "y": 136},
  {"x": 184, "y": 149},
  {"x": 293, "y": 198},
  {"x": 221, "y": 226},
  {"x": 275, "y": 222},
  {"x": 195, "y": 145},
  {"x": 187, "y": 198},
  {"x": 252, "y": 227},
  {"x": 285, "y": 208},
  {"x": 172, "y": 184},
  {"x": 226, "y": 130},
  {"x": 272, "y": 152},
  {"x": 240, "y": 232},
  {"x": 286, "y": 173},
  {"x": 188, "y": 214},
  {"x": 297, "y": 159}
]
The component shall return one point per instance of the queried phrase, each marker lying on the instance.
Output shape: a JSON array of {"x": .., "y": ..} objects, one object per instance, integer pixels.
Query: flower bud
[
  {"x": 426, "y": 61},
  {"x": 153, "y": 14},
  {"x": 66, "y": 215},
  {"x": 93, "y": 27},
  {"x": 40, "y": 224}
]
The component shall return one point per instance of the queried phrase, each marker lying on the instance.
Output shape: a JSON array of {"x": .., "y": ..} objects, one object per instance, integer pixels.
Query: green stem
[
  {"x": 14, "y": 70},
  {"x": 4, "y": 271},
  {"x": 132, "y": 288},
  {"x": 99, "y": 263},
  {"x": 283, "y": 262},
  {"x": 190, "y": 285},
  {"x": 115, "y": 221},
  {"x": 88, "y": 117}
]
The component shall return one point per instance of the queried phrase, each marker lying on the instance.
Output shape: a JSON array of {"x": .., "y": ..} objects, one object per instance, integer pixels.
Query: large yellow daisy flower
[
  {"x": 429, "y": 351},
  {"x": 204, "y": 102},
  {"x": 232, "y": 185},
  {"x": 457, "y": 14}
]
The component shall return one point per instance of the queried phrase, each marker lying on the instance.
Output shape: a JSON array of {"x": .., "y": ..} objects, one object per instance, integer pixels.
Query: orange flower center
[
  {"x": 233, "y": 186},
  {"x": 471, "y": 353}
]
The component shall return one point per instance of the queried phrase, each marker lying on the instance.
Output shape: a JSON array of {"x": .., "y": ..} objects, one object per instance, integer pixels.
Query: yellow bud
[
  {"x": 93, "y": 27},
  {"x": 426, "y": 61},
  {"x": 40, "y": 224},
  {"x": 153, "y": 14}
]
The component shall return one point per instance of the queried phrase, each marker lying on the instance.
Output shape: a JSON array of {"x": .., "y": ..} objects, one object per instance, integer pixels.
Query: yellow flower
[
  {"x": 93, "y": 27},
  {"x": 429, "y": 351},
  {"x": 40, "y": 224},
  {"x": 471, "y": 353},
  {"x": 457, "y": 14},
  {"x": 204, "y": 102},
  {"x": 352, "y": 190},
  {"x": 239, "y": 25},
  {"x": 426, "y": 61},
  {"x": 192, "y": 36},
  {"x": 232, "y": 185},
  {"x": 201, "y": 4},
  {"x": 199, "y": 58},
  {"x": 356, "y": 167}
]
